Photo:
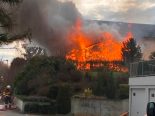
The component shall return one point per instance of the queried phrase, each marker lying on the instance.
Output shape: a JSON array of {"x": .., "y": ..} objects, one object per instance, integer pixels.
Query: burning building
[
  {"x": 60, "y": 28},
  {"x": 91, "y": 51}
]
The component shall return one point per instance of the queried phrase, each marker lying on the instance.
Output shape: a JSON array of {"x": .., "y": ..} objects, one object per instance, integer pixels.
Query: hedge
[
  {"x": 123, "y": 91},
  {"x": 39, "y": 108}
]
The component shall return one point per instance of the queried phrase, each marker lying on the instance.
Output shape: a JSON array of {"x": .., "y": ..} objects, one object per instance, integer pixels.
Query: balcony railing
[{"x": 142, "y": 68}]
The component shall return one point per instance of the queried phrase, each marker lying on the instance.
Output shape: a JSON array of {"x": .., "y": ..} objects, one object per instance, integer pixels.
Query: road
[{"x": 14, "y": 113}]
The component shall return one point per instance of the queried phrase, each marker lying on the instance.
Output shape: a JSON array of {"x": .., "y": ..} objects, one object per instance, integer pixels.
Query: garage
[
  {"x": 152, "y": 95},
  {"x": 138, "y": 101}
]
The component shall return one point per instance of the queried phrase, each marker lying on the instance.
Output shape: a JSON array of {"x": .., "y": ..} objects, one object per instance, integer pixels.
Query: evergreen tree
[
  {"x": 34, "y": 51},
  {"x": 131, "y": 51},
  {"x": 6, "y": 22},
  {"x": 5, "y": 17}
]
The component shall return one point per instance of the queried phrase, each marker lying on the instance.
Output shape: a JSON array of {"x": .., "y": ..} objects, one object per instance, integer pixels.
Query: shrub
[
  {"x": 31, "y": 108},
  {"x": 111, "y": 88},
  {"x": 76, "y": 76},
  {"x": 99, "y": 87},
  {"x": 53, "y": 108},
  {"x": 44, "y": 108},
  {"x": 42, "y": 71},
  {"x": 106, "y": 85},
  {"x": 34, "y": 99},
  {"x": 123, "y": 91},
  {"x": 77, "y": 88},
  {"x": 53, "y": 91},
  {"x": 40, "y": 108},
  {"x": 64, "y": 100}
]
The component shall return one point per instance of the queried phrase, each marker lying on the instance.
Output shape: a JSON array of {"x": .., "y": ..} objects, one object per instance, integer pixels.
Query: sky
[
  {"x": 10, "y": 51},
  {"x": 132, "y": 11}
]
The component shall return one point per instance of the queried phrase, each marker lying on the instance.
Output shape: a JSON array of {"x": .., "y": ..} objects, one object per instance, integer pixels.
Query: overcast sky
[
  {"x": 133, "y": 11},
  {"x": 9, "y": 52}
]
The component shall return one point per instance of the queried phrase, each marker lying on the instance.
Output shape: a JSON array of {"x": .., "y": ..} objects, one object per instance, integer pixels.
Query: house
[{"x": 142, "y": 87}]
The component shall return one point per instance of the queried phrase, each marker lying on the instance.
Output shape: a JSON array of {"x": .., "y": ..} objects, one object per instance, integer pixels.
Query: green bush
[
  {"x": 106, "y": 85},
  {"x": 40, "y": 108},
  {"x": 41, "y": 105},
  {"x": 31, "y": 108},
  {"x": 41, "y": 72},
  {"x": 44, "y": 108},
  {"x": 34, "y": 99},
  {"x": 123, "y": 91},
  {"x": 99, "y": 86},
  {"x": 53, "y": 91},
  {"x": 53, "y": 108},
  {"x": 111, "y": 88},
  {"x": 64, "y": 100}
]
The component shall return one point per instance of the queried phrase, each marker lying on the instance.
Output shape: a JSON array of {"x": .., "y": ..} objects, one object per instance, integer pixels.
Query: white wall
[
  {"x": 19, "y": 104},
  {"x": 148, "y": 80},
  {"x": 144, "y": 87}
]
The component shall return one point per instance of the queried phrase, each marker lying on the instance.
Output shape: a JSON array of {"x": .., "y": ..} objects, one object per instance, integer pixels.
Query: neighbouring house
[{"x": 142, "y": 87}]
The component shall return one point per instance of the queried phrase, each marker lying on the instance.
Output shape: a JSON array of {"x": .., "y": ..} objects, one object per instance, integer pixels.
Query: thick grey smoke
[
  {"x": 49, "y": 21},
  {"x": 142, "y": 33},
  {"x": 94, "y": 28}
]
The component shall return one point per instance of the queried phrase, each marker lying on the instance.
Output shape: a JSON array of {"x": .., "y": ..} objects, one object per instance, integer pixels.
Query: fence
[{"x": 142, "y": 68}]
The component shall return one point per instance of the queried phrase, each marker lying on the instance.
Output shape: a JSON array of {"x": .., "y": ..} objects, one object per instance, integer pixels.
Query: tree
[
  {"x": 17, "y": 66},
  {"x": 36, "y": 76},
  {"x": 3, "y": 74},
  {"x": 42, "y": 72},
  {"x": 34, "y": 51},
  {"x": 131, "y": 51},
  {"x": 6, "y": 22},
  {"x": 5, "y": 17},
  {"x": 10, "y": 1},
  {"x": 3, "y": 69},
  {"x": 152, "y": 56}
]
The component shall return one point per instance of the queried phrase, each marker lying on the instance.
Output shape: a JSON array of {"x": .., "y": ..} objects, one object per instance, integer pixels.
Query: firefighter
[{"x": 7, "y": 97}]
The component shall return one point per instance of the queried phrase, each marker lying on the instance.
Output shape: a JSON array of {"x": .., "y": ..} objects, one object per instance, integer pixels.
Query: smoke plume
[{"x": 48, "y": 21}]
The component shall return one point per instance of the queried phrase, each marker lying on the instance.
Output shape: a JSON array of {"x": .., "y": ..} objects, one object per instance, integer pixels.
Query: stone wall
[{"x": 98, "y": 107}]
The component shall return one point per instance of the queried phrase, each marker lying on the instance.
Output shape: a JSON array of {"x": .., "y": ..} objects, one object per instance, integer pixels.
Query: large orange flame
[{"x": 108, "y": 48}]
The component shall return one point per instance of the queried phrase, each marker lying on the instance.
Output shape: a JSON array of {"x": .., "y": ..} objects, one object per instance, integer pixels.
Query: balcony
[{"x": 142, "y": 68}]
